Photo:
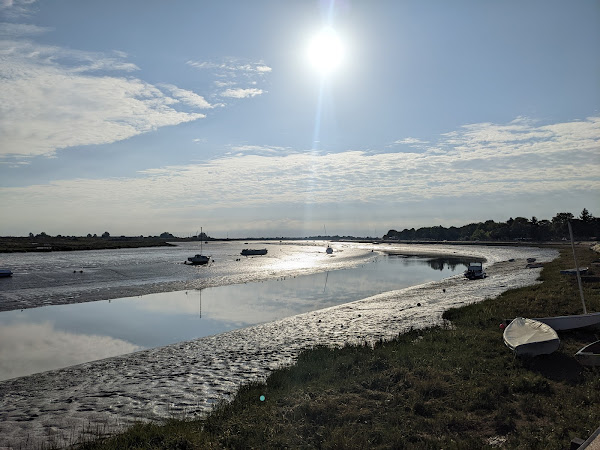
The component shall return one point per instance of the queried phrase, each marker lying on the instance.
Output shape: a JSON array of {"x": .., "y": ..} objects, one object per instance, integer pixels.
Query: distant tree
[
  {"x": 31, "y": 235},
  {"x": 562, "y": 218},
  {"x": 167, "y": 235},
  {"x": 105, "y": 234},
  {"x": 95, "y": 235},
  {"x": 89, "y": 235},
  {"x": 42, "y": 235},
  {"x": 479, "y": 235},
  {"x": 585, "y": 216}
]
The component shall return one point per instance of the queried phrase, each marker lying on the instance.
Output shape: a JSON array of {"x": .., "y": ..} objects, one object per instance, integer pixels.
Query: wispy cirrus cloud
[
  {"x": 259, "y": 150},
  {"x": 232, "y": 65},
  {"x": 16, "y": 8},
  {"x": 237, "y": 75},
  {"x": 13, "y": 30},
  {"x": 46, "y": 92},
  {"x": 242, "y": 93}
]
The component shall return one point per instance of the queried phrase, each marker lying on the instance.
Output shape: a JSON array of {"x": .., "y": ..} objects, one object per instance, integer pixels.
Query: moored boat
[
  {"x": 253, "y": 252},
  {"x": 528, "y": 337},
  {"x": 5, "y": 273},
  {"x": 589, "y": 355},
  {"x": 199, "y": 259}
]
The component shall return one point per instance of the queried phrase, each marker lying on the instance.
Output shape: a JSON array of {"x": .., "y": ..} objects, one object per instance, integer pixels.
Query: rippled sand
[{"x": 185, "y": 379}]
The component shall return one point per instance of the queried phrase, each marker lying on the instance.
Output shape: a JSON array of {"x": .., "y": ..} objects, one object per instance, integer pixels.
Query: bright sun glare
[{"x": 325, "y": 51}]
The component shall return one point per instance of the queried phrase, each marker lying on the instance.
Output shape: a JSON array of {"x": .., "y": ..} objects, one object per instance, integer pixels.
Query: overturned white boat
[{"x": 528, "y": 337}]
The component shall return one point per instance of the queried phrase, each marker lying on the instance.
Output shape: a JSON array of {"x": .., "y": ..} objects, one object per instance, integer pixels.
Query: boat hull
[
  {"x": 582, "y": 271},
  {"x": 5, "y": 273},
  {"x": 589, "y": 355},
  {"x": 528, "y": 337},
  {"x": 572, "y": 322},
  {"x": 253, "y": 252}
]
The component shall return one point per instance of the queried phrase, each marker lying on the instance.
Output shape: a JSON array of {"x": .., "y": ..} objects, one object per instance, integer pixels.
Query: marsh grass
[{"x": 454, "y": 386}]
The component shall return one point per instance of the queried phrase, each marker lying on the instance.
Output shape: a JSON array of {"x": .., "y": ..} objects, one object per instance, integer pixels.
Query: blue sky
[{"x": 140, "y": 117}]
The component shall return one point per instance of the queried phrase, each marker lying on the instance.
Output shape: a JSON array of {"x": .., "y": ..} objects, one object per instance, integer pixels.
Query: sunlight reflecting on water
[{"x": 108, "y": 328}]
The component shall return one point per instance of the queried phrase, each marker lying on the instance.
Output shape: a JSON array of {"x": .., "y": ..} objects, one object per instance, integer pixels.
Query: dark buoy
[
  {"x": 444, "y": 290},
  {"x": 418, "y": 304}
]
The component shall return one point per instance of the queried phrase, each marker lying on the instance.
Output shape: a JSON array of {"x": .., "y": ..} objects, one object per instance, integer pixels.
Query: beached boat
[
  {"x": 5, "y": 273},
  {"x": 571, "y": 322},
  {"x": 589, "y": 355},
  {"x": 528, "y": 337},
  {"x": 475, "y": 271},
  {"x": 253, "y": 252},
  {"x": 582, "y": 270}
]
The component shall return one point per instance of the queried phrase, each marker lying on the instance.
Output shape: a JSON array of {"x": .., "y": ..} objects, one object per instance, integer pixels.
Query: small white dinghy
[
  {"x": 589, "y": 355},
  {"x": 530, "y": 337}
]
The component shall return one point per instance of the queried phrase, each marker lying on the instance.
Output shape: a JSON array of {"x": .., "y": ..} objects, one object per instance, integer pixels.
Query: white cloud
[
  {"x": 259, "y": 150},
  {"x": 15, "y": 8},
  {"x": 232, "y": 65},
  {"x": 555, "y": 158},
  {"x": 230, "y": 71},
  {"x": 241, "y": 93},
  {"x": 188, "y": 97},
  {"x": 47, "y": 92},
  {"x": 410, "y": 141},
  {"x": 21, "y": 29}
]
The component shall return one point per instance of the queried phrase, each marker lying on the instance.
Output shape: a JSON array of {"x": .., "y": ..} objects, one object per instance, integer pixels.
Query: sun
[{"x": 325, "y": 51}]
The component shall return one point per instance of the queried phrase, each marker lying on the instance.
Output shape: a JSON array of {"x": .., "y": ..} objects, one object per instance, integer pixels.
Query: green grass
[{"x": 455, "y": 386}]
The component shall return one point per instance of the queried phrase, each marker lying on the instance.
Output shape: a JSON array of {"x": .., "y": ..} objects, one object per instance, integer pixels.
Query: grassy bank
[{"x": 455, "y": 386}]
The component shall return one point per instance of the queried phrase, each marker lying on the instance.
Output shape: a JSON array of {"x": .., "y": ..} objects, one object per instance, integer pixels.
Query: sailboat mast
[{"x": 577, "y": 267}]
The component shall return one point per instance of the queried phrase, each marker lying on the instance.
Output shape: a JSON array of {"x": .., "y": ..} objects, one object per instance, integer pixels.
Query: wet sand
[{"x": 186, "y": 379}]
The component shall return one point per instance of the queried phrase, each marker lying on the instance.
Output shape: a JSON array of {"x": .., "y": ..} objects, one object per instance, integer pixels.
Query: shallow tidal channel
[{"x": 56, "y": 336}]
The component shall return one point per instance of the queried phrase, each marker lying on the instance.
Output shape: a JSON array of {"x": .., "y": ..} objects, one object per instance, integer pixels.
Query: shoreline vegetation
[
  {"x": 451, "y": 386},
  {"x": 512, "y": 232}
]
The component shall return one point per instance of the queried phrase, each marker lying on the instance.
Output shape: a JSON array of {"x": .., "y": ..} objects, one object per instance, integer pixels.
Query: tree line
[{"x": 585, "y": 227}]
